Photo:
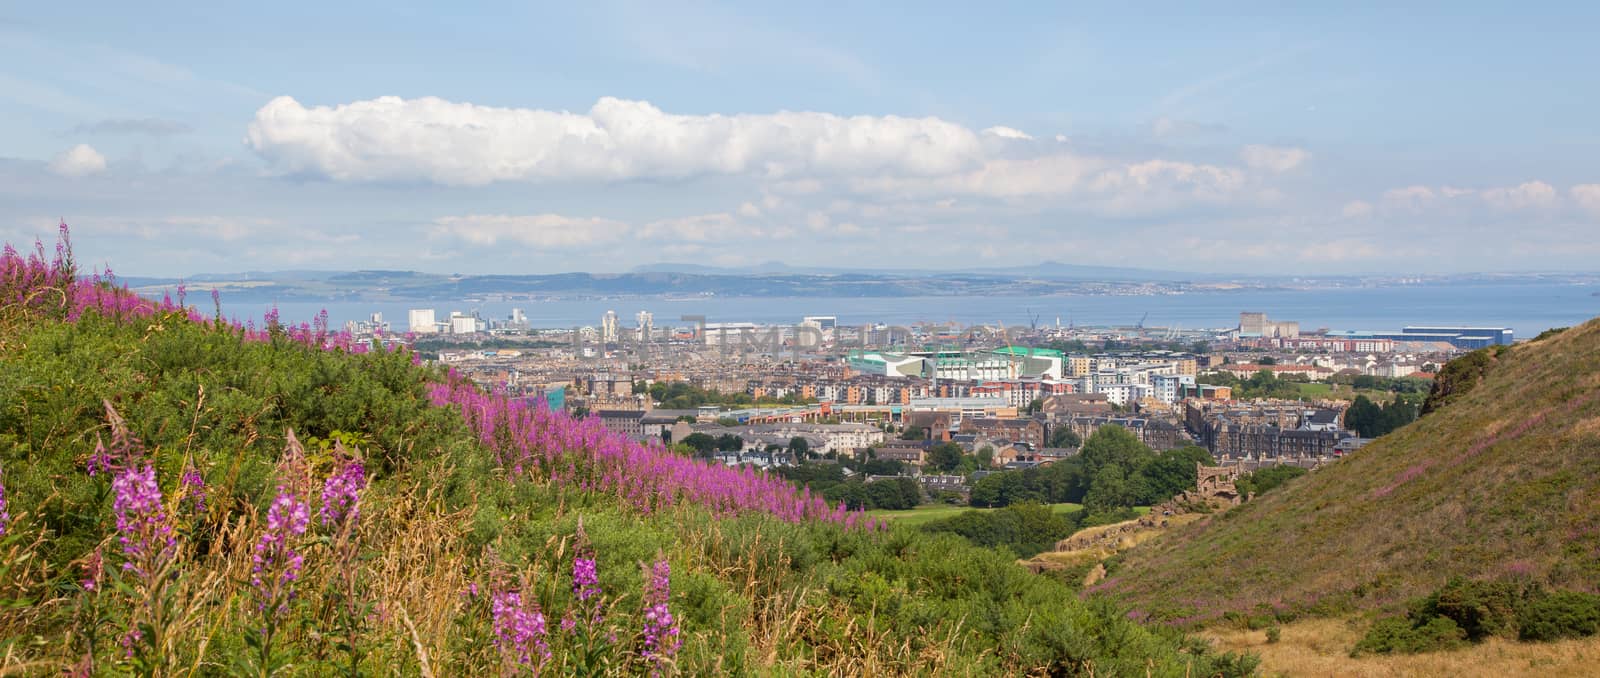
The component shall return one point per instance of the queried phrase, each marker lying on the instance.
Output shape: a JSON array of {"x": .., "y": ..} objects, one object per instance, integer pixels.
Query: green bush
[
  {"x": 1557, "y": 615},
  {"x": 1480, "y": 608},
  {"x": 1400, "y": 635}
]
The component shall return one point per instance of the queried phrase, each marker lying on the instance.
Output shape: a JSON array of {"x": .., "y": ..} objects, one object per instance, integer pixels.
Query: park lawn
[
  {"x": 1316, "y": 390},
  {"x": 928, "y": 513}
]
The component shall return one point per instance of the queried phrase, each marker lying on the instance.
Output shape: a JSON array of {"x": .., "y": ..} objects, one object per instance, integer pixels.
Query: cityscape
[{"x": 894, "y": 340}]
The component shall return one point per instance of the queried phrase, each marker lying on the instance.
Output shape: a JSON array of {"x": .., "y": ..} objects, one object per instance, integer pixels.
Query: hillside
[
  {"x": 183, "y": 496},
  {"x": 1503, "y": 480}
]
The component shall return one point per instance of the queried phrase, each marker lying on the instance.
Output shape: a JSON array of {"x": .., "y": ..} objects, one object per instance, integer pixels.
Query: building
[
  {"x": 461, "y": 323},
  {"x": 1256, "y": 325},
  {"x": 826, "y": 323},
  {"x": 1169, "y": 388},
  {"x": 1030, "y": 431},
  {"x": 626, "y": 422},
  {"x": 886, "y": 364},
  {"x": 646, "y": 322},
  {"x": 1469, "y": 338},
  {"x": 1035, "y": 362},
  {"x": 421, "y": 321},
  {"x": 608, "y": 328}
]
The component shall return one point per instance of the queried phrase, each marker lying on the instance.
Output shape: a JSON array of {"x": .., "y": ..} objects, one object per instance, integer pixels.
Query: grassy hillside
[
  {"x": 183, "y": 496},
  {"x": 1503, "y": 480}
]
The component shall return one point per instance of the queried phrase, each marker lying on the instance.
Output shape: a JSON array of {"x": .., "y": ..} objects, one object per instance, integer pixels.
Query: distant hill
[
  {"x": 1502, "y": 480},
  {"x": 1049, "y": 270}
]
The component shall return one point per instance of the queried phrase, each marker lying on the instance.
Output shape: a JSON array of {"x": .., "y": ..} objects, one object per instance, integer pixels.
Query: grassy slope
[
  {"x": 756, "y": 595},
  {"x": 1505, "y": 480},
  {"x": 1321, "y": 647},
  {"x": 928, "y": 513}
]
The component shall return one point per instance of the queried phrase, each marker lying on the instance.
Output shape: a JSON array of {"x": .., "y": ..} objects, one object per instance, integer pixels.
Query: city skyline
[{"x": 515, "y": 139}]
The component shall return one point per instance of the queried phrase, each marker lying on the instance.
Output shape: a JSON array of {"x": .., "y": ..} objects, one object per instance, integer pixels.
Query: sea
[{"x": 1527, "y": 308}]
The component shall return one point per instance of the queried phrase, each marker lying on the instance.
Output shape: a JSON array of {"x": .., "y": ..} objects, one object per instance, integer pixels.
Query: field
[
  {"x": 928, "y": 513},
  {"x": 1321, "y": 647}
]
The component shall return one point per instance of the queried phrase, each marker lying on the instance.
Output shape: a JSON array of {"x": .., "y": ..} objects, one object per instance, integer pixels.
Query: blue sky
[{"x": 526, "y": 138}]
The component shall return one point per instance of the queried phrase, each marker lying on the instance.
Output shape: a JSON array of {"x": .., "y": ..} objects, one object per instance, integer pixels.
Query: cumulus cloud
[
  {"x": 1587, "y": 196},
  {"x": 431, "y": 139},
  {"x": 544, "y": 231},
  {"x": 1008, "y": 133},
  {"x": 1532, "y": 194},
  {"x": 1357, "y": 209},
  {"x": 697, "y": 228},
  {"x": 1273, "y": 158},
  {"x": 78, "y": 161},
  {"x": 1527, "y": 195}
]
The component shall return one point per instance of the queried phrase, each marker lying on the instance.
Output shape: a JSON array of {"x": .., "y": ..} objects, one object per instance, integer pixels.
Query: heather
[
  {"x": 188, "y": 495},
  {"x": 1500, "y": 479}
]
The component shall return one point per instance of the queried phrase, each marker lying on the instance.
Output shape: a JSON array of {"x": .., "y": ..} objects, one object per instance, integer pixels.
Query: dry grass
[
  {"x": 1502, "y": 479},
  {"x": 1321, "y": 647}
]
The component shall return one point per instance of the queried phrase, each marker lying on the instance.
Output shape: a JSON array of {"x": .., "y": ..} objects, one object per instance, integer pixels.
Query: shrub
[
  {"x": 1274, "y": 633},
  {"x": 1480, "y": 608},
  {"x": 1400, "y": 635},
  {"x": 1561, "y": 614}
]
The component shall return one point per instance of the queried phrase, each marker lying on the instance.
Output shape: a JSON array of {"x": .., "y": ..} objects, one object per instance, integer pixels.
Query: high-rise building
[
  {"x": 646, "y": 323},
  {"x": 462, "y": 323},
  {"x": 826, "y": 322},
  {"x": 422, "y": 322},
  {"x": 518, "y": 318},
  {"x": 608, "y": 327}
]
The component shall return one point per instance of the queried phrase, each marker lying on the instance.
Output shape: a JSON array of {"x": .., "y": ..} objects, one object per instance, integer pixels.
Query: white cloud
[
  {"x": 697, "y": 228},
  {"x": 1587, "y": 196},
  {"x": 1357, "y": 209},
  {"x": 1410, "y": 196},
  {"x": 1007, "y": 133},
  {"x": 1273, "y": 158},
  {"x": 1532, "y": 194},
  {"x": 78, "y": 161},
  {"x": 1527, "y": 195},
  {"x": 430, "y": 139},
  {"x": 545, "y": 231}
]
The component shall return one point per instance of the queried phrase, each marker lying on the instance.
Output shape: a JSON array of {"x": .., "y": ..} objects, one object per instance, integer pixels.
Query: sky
[{"x": 1240, "y": 138}]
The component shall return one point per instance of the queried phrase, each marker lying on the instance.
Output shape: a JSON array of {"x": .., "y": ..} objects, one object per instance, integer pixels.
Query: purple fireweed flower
[
  {"x": 341, "y": 493},
  {"x": 661, "y": 639},
  {"x": 195, "y": 486},
  {"x": 519, "y": 631},
  {"x": 93, "y": 571},
  {"x": 142, "y": 525},
  {"x": 275, "y": 562},
  {"x": 5, "y": 516},
  {"x": 585, "y": 579}
]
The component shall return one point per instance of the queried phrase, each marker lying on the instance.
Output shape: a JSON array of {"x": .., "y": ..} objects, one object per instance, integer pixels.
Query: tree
[
  {"x": 729, "y": 442},
  {"x": 1113, "y": 445},
  {"x": 1035, "y": 406},
  {"x": 799, "y": 447},
  {"x": 914, "y": 433},
  {"x": 945, "y": 457},
  {"x": 703, "y": 444},
  {"x": 1064, "y": 436},
  {"x": 1267, "y": 360},
  {"x": 1110, "y": 490},
  {"x": 985, "y": 456},
  {"x": 1171, "y": 472}
]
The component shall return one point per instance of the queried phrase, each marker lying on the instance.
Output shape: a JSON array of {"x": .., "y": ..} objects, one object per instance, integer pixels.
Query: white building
[
  {"x": 646, "y": 323},
  {"x": 461, "y": 323},
  {"x": 1123, "y": 394},
  {"x": 608, "y": 327},
  {"x": 1166, "y": 387},
  {"x": 422, "y": 322}
]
